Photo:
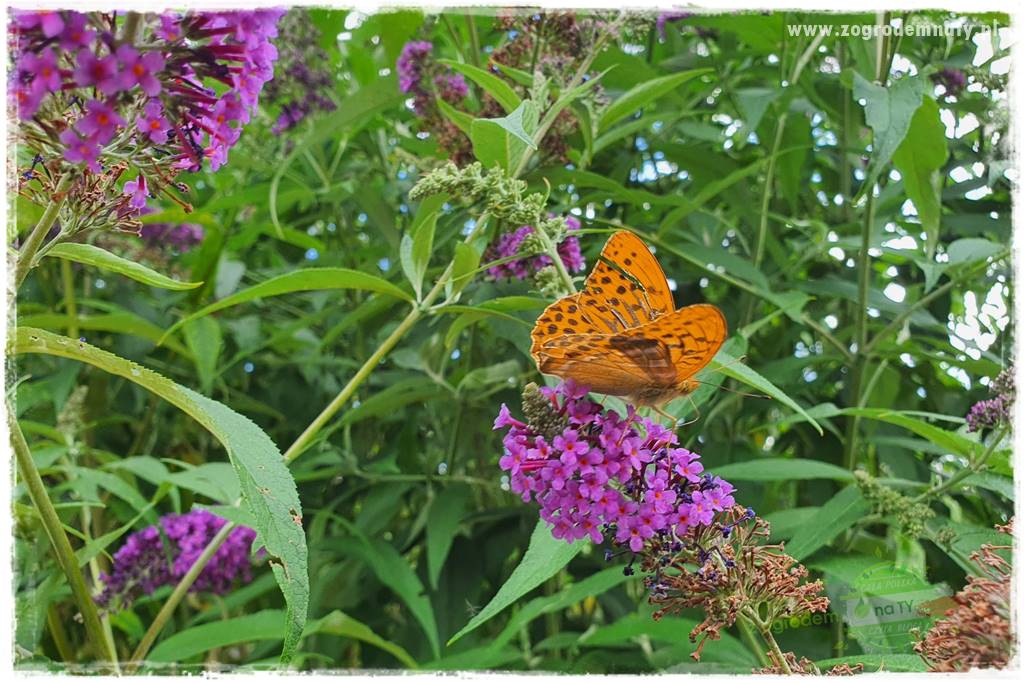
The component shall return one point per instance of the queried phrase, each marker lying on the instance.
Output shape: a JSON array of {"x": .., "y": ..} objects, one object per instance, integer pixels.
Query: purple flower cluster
[
  {"x": 304, "y": 82},
  {"x": 421, "y": 77},
  {"x": 997, "y": 410},
  {"x": 180, "y": 236},
  {"x": 99, "y": 96},
  {"x": 669, "y": 17},
  {"x": 143, "y": 564},
  {"x": 953, "y": 80},
  {"x": 508, "y": 244},
  {"x": 594, "y": 472}
]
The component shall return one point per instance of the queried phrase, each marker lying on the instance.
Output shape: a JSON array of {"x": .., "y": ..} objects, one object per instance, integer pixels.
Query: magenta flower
[
  {"x": 27, "y": 100},
  {"x": 508, "y": 244},
  {"x": 101, "y": 73},
  {"x": 410, "y": 64},
  {"x": 49, "y": 22},
  {"x": 76, "y": 33},
  {"x": 140, "y": 70},
  {"x": 79, "y": 150},
  {"x": 153, "y": 122},
  {"x": 136, "y": 189},
  {"x": 596, "y": 474},
  {"x": 100, "y": 122},
  {"x": 43, "y": 66}
]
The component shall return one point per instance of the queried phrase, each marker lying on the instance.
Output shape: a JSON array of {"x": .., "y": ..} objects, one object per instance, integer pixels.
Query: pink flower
[
  {"x": 27, "y": 100},
  {"x": 100, "y": 122},
  {"x": 76, "y": 32},
  {"x": 97, "y": 72},
  {"x": 140, "y": 70},
  {"x": 136, "y": 189},
  {"x": 153, "y": 122},
  {"x": 50, "y": 23},
  {"x": 42, "y": 65},
  {"x": 81, "y": 150}
]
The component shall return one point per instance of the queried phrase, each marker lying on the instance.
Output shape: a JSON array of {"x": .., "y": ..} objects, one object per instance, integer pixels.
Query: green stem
[
  {"x": 765, "y": 630},
  {"x": 59, "y": 542},
  {"x": 27, "y": 253},
  {"x": 176, "y": 597},
  {"x": 70, "y": 307},
  {"x": 130, "y": 30},
  {"x": 307, "y": 436},
  {"x": 973, "y": 468},
  {"x": 59, "y": 634},
  {"x": 747, "y": 632},
  {"x": 474, "y": 40}
]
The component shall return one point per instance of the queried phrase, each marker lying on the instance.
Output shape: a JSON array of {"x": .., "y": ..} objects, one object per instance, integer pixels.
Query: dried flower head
[
  {"x": 977, "y": 632},
  {"x": 737, "y": 574},
  {"x": 805, "y": 667}
]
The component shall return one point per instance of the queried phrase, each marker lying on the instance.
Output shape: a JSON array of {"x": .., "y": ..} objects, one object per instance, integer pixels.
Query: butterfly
[{"x": 622, "y": 334}]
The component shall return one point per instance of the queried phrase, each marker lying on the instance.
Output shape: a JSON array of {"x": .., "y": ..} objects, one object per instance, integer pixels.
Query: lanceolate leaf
[
  {"x": 888, "y": 111},
  {"x": 731, "y": 367},
  {"x": 101, "y": 258},
  {"x": 305, "y": 280},
  {"x": 495, "y": 87},
  {"x": 833, "y": 518},
  {"x": 268, "y": 489},
  {"x": 643, "y": 94}
]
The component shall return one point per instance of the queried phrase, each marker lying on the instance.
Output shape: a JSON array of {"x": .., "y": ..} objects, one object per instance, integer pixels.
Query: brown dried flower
[
  {"x": 737, "y": 574},
  {"x": 806, "y": 667},
  {"x": 977, "y": 632}
]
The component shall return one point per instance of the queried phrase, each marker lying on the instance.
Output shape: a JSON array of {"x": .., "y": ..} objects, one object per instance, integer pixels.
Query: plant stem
[
  {"x": 70, "y": 307},
  {"x": 747, "y": 632},
  {"x": 474, "y": 40},
  {"x": 59, "y": 634},
  {"x": 307, "y": 436},
  {"x": 176, "y": 597},
  {"x": 973, "y": 468},
  {"x": 59, "y": 542},
  {"x": 765, "y": 630},
  {"x": 27, "y": 253}
]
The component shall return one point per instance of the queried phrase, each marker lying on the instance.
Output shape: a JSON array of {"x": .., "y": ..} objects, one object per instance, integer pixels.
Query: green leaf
[
  {"x": 796, "y": 137},
  {"x": 123, "y": 322},
  {"x": 782, "y": 469},
  {"x": 442, "y": 523},
  {"x": 833, "y": 518},
  {"x": 461, "y": 119},
  {"x": 204, "y": 338},
  {"x": 543, "y": 559},
  {"x": 101, "y": 258},
  {"x": 951, "y": 441},
  {"x": 643, "y": 94},
  {"x": 305, "y": 280},
  {"x": 494, "y": 86},
  {"x": 464, "y": 265},
  {"x": 418, "y": 242},
  {"x": 268, "y": 489},
  {"x": 731, "y": 367},
  {"x": 992, "y": 482},
  {"x": 888, "y": 111},
  {"x": 971, "y": 249},
  {"x": 918, "y": 159},
  {"x": 503, "y": 141},
  {"x": 394, "y": 571},
  {"x": 673, "y": 630},
  {"x": 181, "y": 646},
  {"x": 337, "y": 623}
]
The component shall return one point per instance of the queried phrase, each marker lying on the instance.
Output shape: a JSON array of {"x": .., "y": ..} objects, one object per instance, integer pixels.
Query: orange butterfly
[{"x": 622, "y": 334}]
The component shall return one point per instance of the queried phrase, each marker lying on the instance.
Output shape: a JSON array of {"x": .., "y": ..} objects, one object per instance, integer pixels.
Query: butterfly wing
[
  {"x": 563, "y": 317},
  {"x": 692, "y": 335},
  {"x": 627, "y": 287},
  {"x": 616, "y": 364}
]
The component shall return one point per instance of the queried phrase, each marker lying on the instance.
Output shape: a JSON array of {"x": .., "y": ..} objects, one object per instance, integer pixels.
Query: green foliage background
[{"x": 881, "y": 320}]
